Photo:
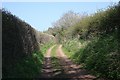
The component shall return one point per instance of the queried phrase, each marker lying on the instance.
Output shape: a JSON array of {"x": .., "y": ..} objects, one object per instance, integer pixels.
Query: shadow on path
[{"x": 63, "y": 68}]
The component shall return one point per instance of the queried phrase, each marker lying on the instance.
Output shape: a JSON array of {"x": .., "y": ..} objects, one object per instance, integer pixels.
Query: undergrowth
[
  {"x": 46, "y": 46},
  {"x": 27, "y": 67}
]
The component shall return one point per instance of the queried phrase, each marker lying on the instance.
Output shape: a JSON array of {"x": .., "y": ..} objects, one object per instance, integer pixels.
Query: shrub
[{"x": 102, "y": 56}]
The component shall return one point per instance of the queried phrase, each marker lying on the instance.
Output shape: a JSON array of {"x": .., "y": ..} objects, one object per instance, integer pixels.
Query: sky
[{"x": 41, "y": 15}]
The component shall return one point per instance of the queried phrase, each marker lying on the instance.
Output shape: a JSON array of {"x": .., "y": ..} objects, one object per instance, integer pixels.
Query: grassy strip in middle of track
[{"x": 53, "y": 52}]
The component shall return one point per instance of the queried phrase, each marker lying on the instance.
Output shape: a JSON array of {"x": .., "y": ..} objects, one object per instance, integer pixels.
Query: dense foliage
[
  {"x": 61, "y": 27},
  {"x": 94, "y": 41},
  {"x": 21, "y": 48},
  {"x": 28, "y": 67}
]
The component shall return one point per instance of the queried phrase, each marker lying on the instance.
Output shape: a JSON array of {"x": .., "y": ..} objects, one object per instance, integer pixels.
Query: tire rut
[
  {"x": 50, "y": 67},
  {"x": 70, "y": 69},
  {"x": 62, "y": 67}
]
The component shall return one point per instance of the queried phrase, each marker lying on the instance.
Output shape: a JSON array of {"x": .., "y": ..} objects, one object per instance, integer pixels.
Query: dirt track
[
  {"x": 47, "y": 68},
  {"x": 70, "y": 69},
  {"x": 62, "y": 67},
  {"x": 48, "y": 53}
]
